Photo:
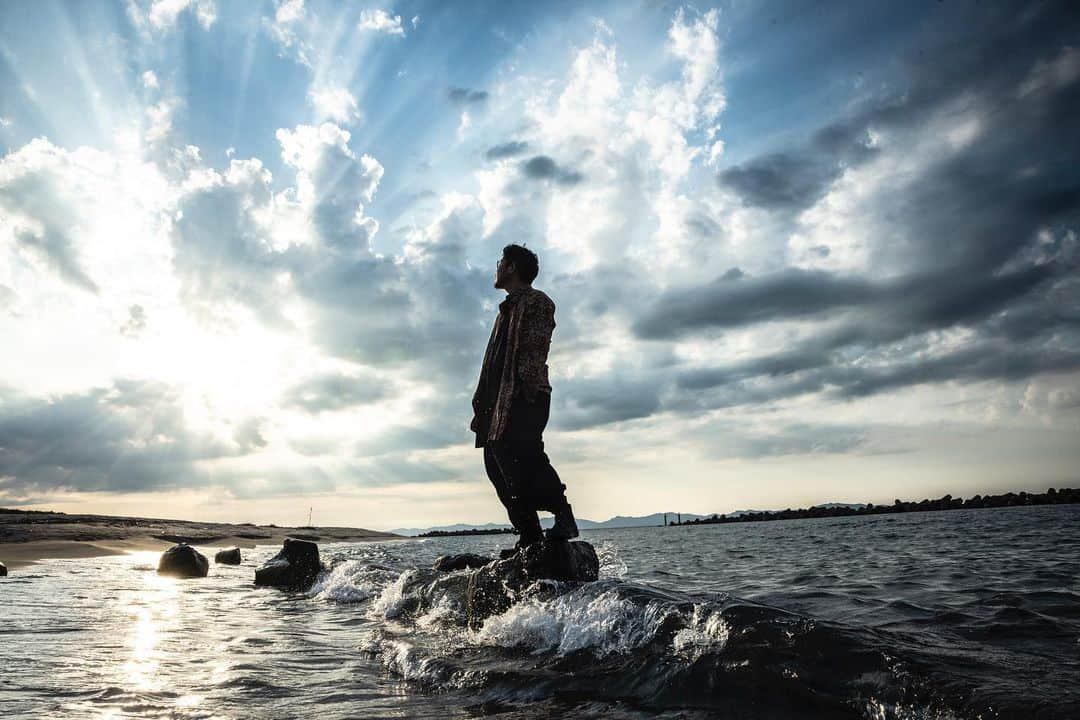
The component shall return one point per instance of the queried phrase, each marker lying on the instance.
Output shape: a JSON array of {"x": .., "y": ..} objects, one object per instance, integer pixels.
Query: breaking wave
[{"x": 627, "y": 643}]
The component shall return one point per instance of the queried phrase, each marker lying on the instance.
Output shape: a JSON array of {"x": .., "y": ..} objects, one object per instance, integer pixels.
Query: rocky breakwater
[
  {"x": 295, "y": 567},
  {"x": 183, "y": 561},
  {"x": 544, "y": 570}
]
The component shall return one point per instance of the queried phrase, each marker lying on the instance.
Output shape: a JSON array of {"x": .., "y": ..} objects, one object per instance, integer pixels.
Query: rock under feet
[{"x": 499, "y": 584}]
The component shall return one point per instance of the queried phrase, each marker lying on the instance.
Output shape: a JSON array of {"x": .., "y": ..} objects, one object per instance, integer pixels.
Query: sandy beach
[{"x": 28, "y": 536}]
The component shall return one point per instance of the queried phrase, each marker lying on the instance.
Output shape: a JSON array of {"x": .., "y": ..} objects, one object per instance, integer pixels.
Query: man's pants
[{"x": 520, "y": 470}]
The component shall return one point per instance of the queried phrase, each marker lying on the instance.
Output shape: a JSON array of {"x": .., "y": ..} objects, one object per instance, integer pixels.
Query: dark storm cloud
[
  {"x": 129, "y": 437},
  {"x": 541, "y": 167},
  {"x": 723, "y": 303},
  {"x": 601, "y": 401},
  {"x": 796, "y": 179},
  {"x": 335, "y": 391},
  {"x": 466, "y": 96},
  {"x": 979, "y": 240},
  {"x": 512, "y": 148},
  {"x": 889, "y": 309}
]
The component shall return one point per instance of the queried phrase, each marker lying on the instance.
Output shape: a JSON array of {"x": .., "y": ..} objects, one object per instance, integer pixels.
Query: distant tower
[
  {"x": 665, "y": 519},
  {"x": 679, "y": 516}
]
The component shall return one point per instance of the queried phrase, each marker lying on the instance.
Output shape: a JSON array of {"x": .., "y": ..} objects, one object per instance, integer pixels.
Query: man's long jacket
[{"x": 527, "y": 319}]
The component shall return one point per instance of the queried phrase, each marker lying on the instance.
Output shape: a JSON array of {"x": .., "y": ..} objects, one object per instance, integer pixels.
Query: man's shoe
[{"x": 565, "y": 527}]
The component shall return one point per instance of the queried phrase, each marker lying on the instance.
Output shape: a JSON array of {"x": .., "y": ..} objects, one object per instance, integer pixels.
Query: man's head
[{"x": 518, "y": 267}]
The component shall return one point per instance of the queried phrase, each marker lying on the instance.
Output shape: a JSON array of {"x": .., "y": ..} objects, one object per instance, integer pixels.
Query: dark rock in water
[
  {"x": 230, "y": 556},
  {"x": 294, "y": 568},
  {"x": 3, "y": 570},
  {"x": 501, "y": 583},
  {"x": 450, "y": 563},
  {"x": 183, "y": 561}
]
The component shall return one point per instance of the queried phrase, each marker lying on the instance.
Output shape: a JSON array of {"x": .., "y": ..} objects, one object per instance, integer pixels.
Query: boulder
[
  {"x": 3, "y": 570},
  {"x": 229, "y": 556},
  {"x": 183, "y": 561},
  {"x": 499, "y": 584},
  {"x": 294, "y": 568},
  {"x": 450, "y": 563}
]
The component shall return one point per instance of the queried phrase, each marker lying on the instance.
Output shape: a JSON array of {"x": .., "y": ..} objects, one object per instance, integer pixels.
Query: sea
[{"x": 942, "y": 615}]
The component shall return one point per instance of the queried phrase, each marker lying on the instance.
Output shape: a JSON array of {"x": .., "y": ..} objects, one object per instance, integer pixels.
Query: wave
[{"x": 629, "y": 643}]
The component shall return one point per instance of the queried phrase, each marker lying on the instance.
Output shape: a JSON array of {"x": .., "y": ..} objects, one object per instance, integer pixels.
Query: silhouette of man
[{"x": 512, "y": 402}]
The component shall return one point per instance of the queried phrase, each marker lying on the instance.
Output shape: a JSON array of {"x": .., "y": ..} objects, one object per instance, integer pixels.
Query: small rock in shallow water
[
  {"x": 294, "y": 568},
  {"x": 229, "y": 556},
  {"x": 450, "y": 563},
  {"x": 3, "y": 569},
  {"x": 183, "y": 561}
]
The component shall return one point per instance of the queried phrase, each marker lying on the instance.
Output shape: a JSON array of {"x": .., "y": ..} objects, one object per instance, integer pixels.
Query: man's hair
[{"x": 525, "y": 262}]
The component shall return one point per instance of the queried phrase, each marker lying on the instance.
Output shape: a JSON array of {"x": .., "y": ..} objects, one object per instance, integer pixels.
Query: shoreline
[{"x": 27, "y": 537}]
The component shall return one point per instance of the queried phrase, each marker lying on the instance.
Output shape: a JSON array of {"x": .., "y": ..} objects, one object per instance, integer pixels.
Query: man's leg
[
  {"x": 544, "y": 489},
  {"x": 524, "y": 519}
]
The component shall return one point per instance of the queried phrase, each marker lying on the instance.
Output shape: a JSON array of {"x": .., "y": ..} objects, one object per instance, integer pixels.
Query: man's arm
[{"x": 534, "y": 341}]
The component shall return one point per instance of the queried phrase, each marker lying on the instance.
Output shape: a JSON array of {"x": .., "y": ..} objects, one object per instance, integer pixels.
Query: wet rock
[
  {"x": 295, "y": 567},
  {"x": 499, "y": 584},
  {"x": 3, "y": 570},
  {"x": 450, "y": 563},
  {"x": 183, "y": 561},
  {"x": 229, "y": 556}
]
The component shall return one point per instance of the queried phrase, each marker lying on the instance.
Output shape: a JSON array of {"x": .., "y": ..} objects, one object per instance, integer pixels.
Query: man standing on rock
[{"x": 513, "y": 399}]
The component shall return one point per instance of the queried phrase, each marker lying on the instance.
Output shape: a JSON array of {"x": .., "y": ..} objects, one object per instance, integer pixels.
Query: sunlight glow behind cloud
[{"x": 246, "y": 254}]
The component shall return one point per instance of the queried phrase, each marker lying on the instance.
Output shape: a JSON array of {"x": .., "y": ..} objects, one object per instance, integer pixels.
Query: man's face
[{"x": 503, "y": 271}]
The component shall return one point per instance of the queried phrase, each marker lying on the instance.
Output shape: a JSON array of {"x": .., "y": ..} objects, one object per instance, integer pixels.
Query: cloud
[
  {"x": 332, "y": 183},
  {"x": 466, "y": 96},
  {"x": 163, "y": 14},
  {"x": 541, "y": 167},
  {"x": 381, "y": 21},
  {"x": 507, "y": 149},
  {"x": 796, "y": 180},
  {"x": 290, "y": 27},
  {"x": 132, "y": 435},
  {"x": 335, "y": 104},
  {"x": 335, "y": 391},
  {"x": 595, "y": 402},
  {"x": 44, "y": 195},
  {"x": 135, "y": 323}
]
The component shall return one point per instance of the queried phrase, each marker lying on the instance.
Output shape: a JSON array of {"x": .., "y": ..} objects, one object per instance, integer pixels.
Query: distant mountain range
[{"x": 619, "y": 521}]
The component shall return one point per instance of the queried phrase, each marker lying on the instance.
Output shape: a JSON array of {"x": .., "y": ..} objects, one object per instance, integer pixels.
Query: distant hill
[{"x": 619, "y": 521}]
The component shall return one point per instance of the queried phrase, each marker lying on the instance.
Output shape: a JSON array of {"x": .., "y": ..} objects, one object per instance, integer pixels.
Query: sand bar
[{"x": 29, "y": 536}]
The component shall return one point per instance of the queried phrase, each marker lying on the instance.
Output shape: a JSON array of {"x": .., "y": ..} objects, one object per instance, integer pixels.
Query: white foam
[
  {"x": 605, "y": 623},
  {"x": 706, "y": 631},
  {"x": 611, "y": 565},
  {"x": 391, "y": 601},
  {"x": 352, "y": 581}
]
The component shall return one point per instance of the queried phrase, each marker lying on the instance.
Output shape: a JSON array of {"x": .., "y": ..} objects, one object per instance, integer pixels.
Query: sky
[{"x": 799, "y": 254}]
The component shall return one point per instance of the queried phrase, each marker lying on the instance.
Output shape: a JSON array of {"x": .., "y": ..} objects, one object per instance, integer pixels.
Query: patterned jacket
[{"x": 530, "y": 318}]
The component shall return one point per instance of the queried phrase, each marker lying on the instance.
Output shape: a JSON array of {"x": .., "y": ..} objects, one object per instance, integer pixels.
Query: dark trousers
[{"x": 520, "y": 470}]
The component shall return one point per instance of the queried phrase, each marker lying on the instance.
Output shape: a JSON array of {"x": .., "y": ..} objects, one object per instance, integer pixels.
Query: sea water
[{"x": 961, "y": 614}]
